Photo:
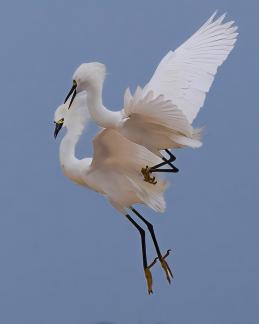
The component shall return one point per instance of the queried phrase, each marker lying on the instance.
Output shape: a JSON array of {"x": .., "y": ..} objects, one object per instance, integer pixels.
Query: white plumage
[
  {"x": 114, "y": 169},
  {"x": 157, "y": 117},
  {"x": 160, "y": 115},
  {"x": 156, "y": 123},
  {"x": 113, "y": 172},
  {"x": 186, "y": 75}
]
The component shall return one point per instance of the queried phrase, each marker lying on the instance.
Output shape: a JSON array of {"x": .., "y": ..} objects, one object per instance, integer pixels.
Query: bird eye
[{"x": 74, "y": 83}]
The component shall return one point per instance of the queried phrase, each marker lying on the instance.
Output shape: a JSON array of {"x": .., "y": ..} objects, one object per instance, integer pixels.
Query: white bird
[
  {"x": 113, "y": 172},
  {"x": 160, "y": 115}
]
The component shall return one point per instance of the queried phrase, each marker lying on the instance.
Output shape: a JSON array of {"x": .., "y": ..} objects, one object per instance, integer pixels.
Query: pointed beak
[
  {"x": 57, "y": 129},
  {"x": 73, "y": 92}
]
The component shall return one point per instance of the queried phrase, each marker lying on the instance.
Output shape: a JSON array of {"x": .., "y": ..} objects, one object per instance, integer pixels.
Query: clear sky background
[{"x": 66, "y": 256}]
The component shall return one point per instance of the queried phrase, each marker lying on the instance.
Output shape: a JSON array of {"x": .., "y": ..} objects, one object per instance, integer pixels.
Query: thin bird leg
[
  {"x": 162, "y": 170},
  {"x": 148, "y": 170},
  {"x": 171, "y": 159},
  {"x": 147, "y": 271},
  {"x": 164, "y": 264}
]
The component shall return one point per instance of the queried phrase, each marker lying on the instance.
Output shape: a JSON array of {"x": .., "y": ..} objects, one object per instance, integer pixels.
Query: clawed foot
[
  {"x": 147, "y": 175},
  {"x": 148, "y": 276},
  {"x": 149, "y": 279},
  {"x": 165, "y": 266}
]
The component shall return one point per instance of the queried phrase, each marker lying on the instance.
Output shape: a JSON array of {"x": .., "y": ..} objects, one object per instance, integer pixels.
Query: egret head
[
  {"x": 86, "y": 75},
  {"x": 73, "y": 118},
  {"x": 59, "y": 118}
]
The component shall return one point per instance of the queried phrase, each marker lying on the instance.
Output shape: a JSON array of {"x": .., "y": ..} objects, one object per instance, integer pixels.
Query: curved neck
[
  {"x": 71, "y": 166},
  {"x": 67, "y": 147},
  {"x": 76, "y": 120},
  {"x": 102, "y": 116}
]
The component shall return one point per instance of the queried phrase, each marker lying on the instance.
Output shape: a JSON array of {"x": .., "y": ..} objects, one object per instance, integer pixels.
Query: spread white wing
[{"x": 186, "y": 75}]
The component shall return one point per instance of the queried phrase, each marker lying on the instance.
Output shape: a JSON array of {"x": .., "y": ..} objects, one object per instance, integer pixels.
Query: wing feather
[
  {"x": 186, "y": 75},
  {"x": 151, "y": 109}
]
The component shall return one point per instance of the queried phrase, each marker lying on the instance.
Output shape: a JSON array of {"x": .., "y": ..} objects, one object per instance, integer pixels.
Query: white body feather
[{"x": 114, "y": 170}]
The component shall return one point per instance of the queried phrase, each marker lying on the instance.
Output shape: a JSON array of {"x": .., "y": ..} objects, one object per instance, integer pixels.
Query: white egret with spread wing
[
  {"x": 160, "y": 115},
  {"x": 113, "y": 172}
]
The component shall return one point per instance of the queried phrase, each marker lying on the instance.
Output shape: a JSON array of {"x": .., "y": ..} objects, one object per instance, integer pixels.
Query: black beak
[
  {"x": 57, "y": 129},
  {"x": 72, "y": 90}
]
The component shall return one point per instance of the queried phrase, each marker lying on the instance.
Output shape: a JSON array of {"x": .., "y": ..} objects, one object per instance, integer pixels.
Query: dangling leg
[
  {"x": 148, "y": 170},
  {"x": 147, "y": 271},
  {"x": 161, "y": 258}
]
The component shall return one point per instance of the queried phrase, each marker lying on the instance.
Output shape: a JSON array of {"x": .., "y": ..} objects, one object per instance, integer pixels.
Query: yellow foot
[
  {"x": 147, "y": 175},
  {"x": 149, "y": 279},
  {"x": 166, "y": 268}
]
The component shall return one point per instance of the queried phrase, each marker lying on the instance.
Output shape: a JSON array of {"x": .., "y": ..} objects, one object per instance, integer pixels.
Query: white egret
[
  {"x": 160, "y": 115},
  {"x": 113, "y": 171}
]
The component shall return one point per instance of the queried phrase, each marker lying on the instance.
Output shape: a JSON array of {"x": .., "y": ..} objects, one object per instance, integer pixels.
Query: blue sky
[{"x": 69, "y": 257}]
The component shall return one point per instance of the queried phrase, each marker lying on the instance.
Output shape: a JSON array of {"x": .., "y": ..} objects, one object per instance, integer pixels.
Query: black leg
[
  {"x": 144, "y": 253},
  {"x": 143, "y": 240},
  {"x": 150, "y": 227},
  {"x": 171, "y": 159},
  {"x": 156, "y": 167},
  {"x": 160, "y": 164},
  {"x": 151, "y": 230},
  {"x": 163, "y": 170}
]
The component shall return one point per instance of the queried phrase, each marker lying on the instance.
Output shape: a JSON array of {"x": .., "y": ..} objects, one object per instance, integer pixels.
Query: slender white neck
[
  {"x": 73, "y": 167},
  {"x": 67, "y": 147},
  {"x": 102, "y": 116}
]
